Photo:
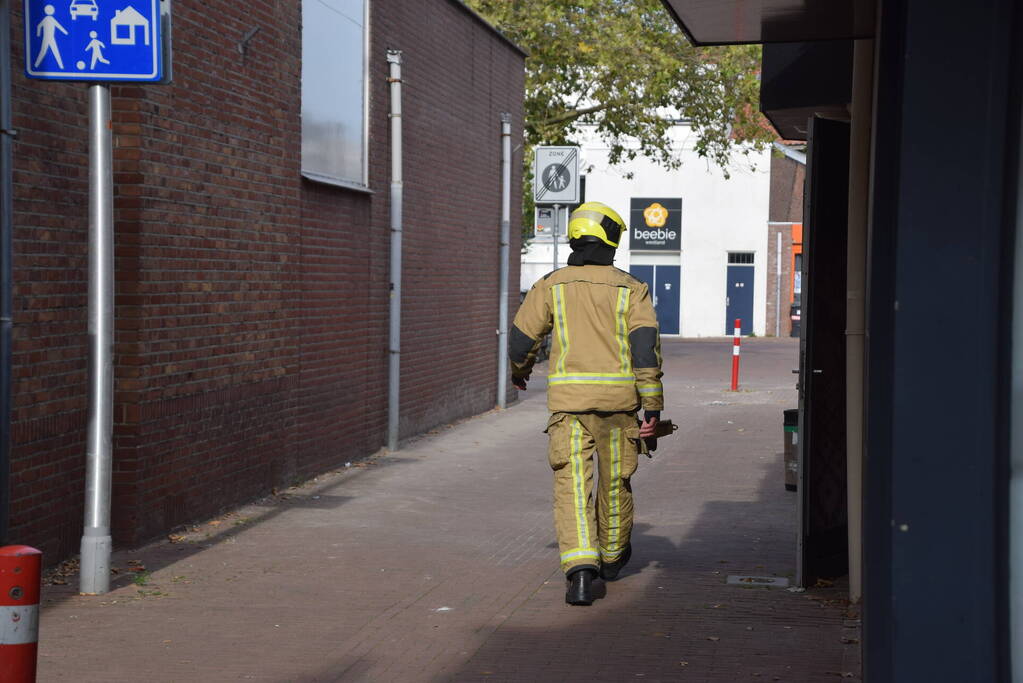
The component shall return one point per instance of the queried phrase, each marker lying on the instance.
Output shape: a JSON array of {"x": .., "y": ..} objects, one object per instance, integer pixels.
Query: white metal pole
[
  {"x": 394, "y": 346},
  {"x": 96, "y": 542},
  {"x": 502, "y": 329},
  {"x": 777, "y": 296},
  {"x": 1016, "y": 451},
  {"x": 557, "y": 231},
  {"x": 856, "y": 278}
]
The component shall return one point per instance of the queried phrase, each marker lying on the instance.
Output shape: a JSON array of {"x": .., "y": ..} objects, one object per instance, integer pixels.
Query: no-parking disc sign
[{"x": 556, "y": 175}]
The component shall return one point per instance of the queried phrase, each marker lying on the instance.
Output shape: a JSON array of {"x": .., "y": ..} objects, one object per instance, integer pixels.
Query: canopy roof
[{"x": 719, "y": 22}]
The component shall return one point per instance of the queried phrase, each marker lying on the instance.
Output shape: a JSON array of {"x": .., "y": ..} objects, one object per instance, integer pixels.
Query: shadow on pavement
[{"x": 670, "y": 616}]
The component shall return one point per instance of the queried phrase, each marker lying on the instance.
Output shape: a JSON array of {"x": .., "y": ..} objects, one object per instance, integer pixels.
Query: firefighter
[{"x": 604, "y": 365}]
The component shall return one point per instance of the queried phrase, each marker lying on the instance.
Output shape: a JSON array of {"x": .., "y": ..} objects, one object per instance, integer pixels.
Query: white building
[{"x": 699, "y": 239}]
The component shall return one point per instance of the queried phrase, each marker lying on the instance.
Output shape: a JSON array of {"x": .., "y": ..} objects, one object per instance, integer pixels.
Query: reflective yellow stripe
[
  {"x": 610, "y": 556},
  {"x": 560, "y": 325},
  {"x": 624, "y": 353},
  {"x": 595, "y": 216},
  {"x": 614, "y": 515},
  {"x": 577, "y": 553},
  {"x": 650, "y": 390},
  {"x": 584, "y": 378},
  {"x": 578, "y": 485}
]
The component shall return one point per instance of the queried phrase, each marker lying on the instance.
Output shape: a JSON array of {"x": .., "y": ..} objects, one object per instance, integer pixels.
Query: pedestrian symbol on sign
[
  {"x": 47, "y": 29},
  {"x": 556, "y": 177},
  {"x": 96, "y": 47}
]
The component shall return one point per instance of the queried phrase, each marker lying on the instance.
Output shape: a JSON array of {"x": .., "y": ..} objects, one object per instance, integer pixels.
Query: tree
[{"x": 625, "y": 67}]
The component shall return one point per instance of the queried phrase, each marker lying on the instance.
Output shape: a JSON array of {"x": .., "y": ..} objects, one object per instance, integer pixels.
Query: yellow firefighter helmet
[{"x": 596, "y": 221}]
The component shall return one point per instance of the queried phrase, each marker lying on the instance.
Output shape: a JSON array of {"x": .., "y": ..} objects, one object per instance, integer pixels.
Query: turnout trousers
[{"x": 592, "y": 528}]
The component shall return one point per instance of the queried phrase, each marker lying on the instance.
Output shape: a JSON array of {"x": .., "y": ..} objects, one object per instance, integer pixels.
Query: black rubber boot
[
  {"x": 609, "y": 571},
  {"x": 580, "y": 590}
]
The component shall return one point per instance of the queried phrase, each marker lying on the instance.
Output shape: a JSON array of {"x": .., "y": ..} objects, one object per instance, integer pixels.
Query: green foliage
[
  {"x": 621, "y": 65},
  {"x": 625, "y": 67}
]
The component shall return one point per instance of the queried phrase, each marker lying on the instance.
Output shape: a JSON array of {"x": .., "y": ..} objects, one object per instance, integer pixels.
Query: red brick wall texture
[{"x": 251, "y": 304}]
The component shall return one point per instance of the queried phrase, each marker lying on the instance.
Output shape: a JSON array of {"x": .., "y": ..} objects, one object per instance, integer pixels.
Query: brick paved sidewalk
[{"x": 438, "y": 563}]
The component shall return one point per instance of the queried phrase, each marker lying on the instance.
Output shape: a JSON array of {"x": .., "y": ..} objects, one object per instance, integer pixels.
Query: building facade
[
  {"x": 252, "y": 267},
  {"x": 696, "y": 237},
  {"x": 911, "y": 361},
  {"x": 785, "y": 242}
]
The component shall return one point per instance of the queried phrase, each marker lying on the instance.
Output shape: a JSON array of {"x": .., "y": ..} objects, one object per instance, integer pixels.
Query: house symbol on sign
[{"x": 124, "y": 25}]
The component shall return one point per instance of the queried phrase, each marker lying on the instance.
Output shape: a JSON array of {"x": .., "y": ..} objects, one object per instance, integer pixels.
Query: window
[
  {"x": 334, "y": 91},
  {"x": 741, "y": 258}
]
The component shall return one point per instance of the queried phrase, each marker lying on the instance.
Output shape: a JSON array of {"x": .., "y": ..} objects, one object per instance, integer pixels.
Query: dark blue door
[
  {"x": 739, "y": 299},
  {"x": 667, "y": 280},
  {"x": 664, "y": 283},
  {"x": 644, "y": 273}
]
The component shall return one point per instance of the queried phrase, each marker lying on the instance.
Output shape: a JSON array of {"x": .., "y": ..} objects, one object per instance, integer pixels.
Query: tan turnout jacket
[{"x": 605, "y": 351}]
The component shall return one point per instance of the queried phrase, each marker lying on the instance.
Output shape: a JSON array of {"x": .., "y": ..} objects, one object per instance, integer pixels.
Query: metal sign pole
[
  {"x": 557, "y": 229},
  {"x": 59, "y": 47},
  {"x": 96, "y": 542}
]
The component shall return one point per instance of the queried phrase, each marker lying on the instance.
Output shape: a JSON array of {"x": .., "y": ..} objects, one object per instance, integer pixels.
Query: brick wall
[
  {"x": 787, "y": 179},
  {"x": 252, "y": 305},
  {"x": 49, "y": 333}
]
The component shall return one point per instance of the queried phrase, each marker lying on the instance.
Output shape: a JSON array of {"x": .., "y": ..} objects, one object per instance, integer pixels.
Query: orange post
[{"x": 20, "y": 568}]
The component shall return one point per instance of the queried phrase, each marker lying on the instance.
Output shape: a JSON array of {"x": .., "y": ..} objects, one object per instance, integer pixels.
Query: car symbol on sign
[{"x": 86, "y": 8}]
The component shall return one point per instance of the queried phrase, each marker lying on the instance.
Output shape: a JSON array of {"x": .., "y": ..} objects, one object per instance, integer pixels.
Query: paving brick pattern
[{"x": 439, "y": 563}]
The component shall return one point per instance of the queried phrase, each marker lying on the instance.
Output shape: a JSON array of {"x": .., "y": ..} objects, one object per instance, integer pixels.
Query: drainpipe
[
  {"x": 856, "y": 276},
  {"x": 394, "y": 345},
  {"x": 502, "y": 330},
  {"x": 777, "y": 289},
  {"x": 6, "y": 279}
]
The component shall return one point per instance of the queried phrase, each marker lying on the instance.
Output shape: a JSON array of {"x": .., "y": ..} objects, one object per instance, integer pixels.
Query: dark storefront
[{"x": 911, "y": 111}]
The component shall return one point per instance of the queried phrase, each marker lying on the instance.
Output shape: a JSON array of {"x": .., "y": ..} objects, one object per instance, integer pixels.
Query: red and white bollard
[
  {"x": 20, "y": 568},
  {"x": 735, "y": 354}
]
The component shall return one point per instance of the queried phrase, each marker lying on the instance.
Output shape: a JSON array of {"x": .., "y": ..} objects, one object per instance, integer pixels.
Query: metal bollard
[{"x": 20, "y": 568}]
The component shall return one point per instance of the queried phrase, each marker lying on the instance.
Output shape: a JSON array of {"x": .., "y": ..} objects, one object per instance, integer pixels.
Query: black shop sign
[{"x": 655, "y": 224}]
